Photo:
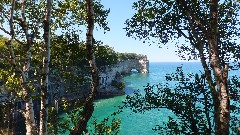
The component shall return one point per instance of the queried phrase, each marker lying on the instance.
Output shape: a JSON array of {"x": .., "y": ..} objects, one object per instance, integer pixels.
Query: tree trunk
[
  {"x": 220, "y": 94},
  {"x": 29, "y": 116},
  {"x": 220, "y": 74},
  {"x": 88, "y": 106},
  {"x": 29, "y": 113},
  {"x": 45, "y": 71},
  {"x": 27, "y": 97},
  {"x": 55, "y": 119}
]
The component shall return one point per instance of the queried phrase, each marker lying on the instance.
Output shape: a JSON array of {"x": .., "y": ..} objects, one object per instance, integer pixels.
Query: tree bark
[
  {"x": 29, "y": 113},
  {"x": 88, "y": 106},
  {"x": 220, "y": 74},
  {"x": 45, "y": 71},
  {"x": 220, "y": 94},
  {"x": 55, "y": 119}
]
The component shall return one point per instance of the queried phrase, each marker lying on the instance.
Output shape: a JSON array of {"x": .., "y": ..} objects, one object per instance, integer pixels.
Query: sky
[{"x": 120, "y": 11}]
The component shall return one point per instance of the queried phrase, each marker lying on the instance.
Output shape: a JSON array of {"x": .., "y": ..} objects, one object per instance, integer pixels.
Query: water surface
[{"x": 142, "y": 124}]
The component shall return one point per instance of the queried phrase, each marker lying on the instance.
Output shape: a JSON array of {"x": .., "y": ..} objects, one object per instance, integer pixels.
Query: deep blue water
[{"x": 142, "y": 124}]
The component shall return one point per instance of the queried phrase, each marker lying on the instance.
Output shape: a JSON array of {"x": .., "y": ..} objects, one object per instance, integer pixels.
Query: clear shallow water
[{"x": 142, "y": 124}]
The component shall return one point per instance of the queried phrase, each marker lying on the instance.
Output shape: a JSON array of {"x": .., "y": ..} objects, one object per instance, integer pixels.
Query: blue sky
[{"x": 121, "y": 10}]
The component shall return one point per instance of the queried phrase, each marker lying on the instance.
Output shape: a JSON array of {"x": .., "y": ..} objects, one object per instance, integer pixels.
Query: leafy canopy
[{"x": 168, "y": 20}]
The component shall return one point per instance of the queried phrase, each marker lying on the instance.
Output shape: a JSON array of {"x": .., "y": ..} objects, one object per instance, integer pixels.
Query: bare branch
[
  {"x": 4, "y": 30},
  {"x": 180, "y": 31},
  {"x": 5, "y": 15}
]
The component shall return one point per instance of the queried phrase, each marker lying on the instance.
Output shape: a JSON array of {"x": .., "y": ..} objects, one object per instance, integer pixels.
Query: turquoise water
[{"x": 142, "y": 124}]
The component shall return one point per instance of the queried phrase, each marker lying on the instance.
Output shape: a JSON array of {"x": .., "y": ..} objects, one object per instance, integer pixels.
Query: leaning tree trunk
[
  {"x": 45, "y": 70},
  {"x": 220, "y": 74},
  {"x": 88, "y": 106},
  {"x": 29, "y": 113}
]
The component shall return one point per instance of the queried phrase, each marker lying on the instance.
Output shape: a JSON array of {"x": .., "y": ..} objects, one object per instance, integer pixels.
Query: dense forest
[{"x": 40, "y": 47}]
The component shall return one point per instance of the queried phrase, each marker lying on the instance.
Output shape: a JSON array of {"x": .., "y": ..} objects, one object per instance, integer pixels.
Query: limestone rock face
[
  {"x": 144, "y": 64},
  {"x": 108, "y": 73},
  {"x": 111, "y": 83}
]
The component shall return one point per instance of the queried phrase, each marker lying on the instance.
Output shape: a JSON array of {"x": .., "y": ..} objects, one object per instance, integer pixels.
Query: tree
[
  {"x": 10, "y": 90},
  {"x": 24, "y": 28},
  {"x": 105, "y": 55},
  {"x": 27, "y": 20},
  {"x": 88, "y": 106},
  {"x": 188, "y": 96},
  {"x": 209, "y": 27},
  {"x": 45, "y": 70},
  {"x": 17, "y": 18},
  {"x": 82, "y": 13}
]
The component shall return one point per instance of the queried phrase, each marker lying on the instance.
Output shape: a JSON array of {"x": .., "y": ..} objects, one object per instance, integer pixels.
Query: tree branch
[
  {"x": 11, "y": 19},
  {"x": 7, "y": 32},
  {"x": 4, "y": 30},
  {"x": 190, "y": 14},
  {"x": 34, "y": 32},
  {"x": 5, "y": 14},
  {"x": 3, "y": 56},
  {"x": 180, "y": 31}
]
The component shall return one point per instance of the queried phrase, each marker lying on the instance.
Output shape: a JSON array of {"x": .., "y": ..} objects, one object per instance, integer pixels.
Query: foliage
[
  {"x": 108, "y": 125},
  {"x": 130, "y": 56},
  {"x": 71, "y": 15},
  {"x": 167, "y": 21},
  {"x": 68, "y": 61},
  {"x": 27, "y": 21},
  {"x": 188, "y": 96},
  {"x": 119, "y": 85},
  {"x": 4, "y": 117},
  {"x": 105, "y": 55},
  {"x": 210, "y": 30},
  {"x": 10, "y": 78},
  {"x": 106, "y": 128},
  {"x": 52, "y": 120},
  {"x": 68, "y": 52}
]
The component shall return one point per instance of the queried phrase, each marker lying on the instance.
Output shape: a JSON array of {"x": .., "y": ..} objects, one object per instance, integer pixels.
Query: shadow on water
[
  {"x": 128, "y": 83},
  {"x": 130, "y": 90}
]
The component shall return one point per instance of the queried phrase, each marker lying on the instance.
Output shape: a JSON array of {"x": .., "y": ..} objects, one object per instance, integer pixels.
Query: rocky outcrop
[
  {"x": 111, "y": 83},
  {"x": 109, "y": 74}
]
